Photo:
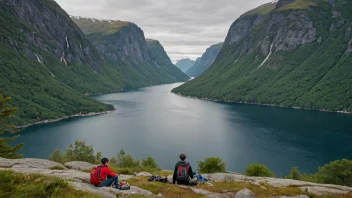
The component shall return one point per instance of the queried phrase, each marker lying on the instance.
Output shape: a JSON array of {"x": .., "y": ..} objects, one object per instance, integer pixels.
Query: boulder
[
  {"x": 29, "y": 163},
  {"x": 299, "y": 196},
  {"x": 245, "y": 193},
  {"x": 77, "y": 165},
  {"x": 144, "y": 174}
]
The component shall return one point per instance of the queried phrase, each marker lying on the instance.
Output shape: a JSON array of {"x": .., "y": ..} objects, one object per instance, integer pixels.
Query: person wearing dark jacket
[
  {"x": 183, "y": 172},
  {"x": 109, "y": 178}
]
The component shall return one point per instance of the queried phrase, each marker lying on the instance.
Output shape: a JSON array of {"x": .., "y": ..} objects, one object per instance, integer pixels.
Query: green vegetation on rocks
[
  {"x": 211, "y": 165},
  {"x": 258, "y": 170}
]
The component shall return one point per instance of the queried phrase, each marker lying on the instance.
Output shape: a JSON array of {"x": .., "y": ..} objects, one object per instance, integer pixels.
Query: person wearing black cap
[
  {"x": 106, "y": 175},
  {"x": 183, "y": 172}
]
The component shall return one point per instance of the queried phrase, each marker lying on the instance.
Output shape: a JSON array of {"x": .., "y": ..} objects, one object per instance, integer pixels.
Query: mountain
[
  {"x": 47, "y": 64},
  {"x": 184, "y": 64},
  {"x": 205, "y": 61},
  {"x": 293, "y": 53},
  {"x": 123, "y": 44},
  {"x": 160, "y": 58}
]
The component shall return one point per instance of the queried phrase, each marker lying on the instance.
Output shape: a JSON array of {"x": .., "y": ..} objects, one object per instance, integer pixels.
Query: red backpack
[
  {"x": 182, "y": 171},
  {"x": 95, "y": 175}
]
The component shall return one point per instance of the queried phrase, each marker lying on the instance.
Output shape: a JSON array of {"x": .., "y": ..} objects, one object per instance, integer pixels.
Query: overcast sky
[{"x": 184, "y": 27}]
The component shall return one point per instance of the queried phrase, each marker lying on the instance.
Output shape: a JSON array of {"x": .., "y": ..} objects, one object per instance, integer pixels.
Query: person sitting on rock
[
  {"x": 102, "y": 175},
  {"x": 183, "y": 173}
]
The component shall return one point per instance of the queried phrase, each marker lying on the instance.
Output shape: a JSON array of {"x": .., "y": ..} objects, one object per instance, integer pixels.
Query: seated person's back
[{"x": 183, "y": 172}]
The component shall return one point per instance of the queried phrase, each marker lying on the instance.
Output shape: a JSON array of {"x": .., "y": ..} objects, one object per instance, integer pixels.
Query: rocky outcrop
[
  {"x": 245, "y": 193},
  {"x": 29, "y": 164},
  {"x": 319, "y": 190},
  {"x": 205, "y": 61},
  {"x": 283, "y": 31},
  {"x": 76, "y": 165}
]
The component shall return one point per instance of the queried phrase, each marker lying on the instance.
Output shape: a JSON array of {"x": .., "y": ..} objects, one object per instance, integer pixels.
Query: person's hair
[
  {"x": 104, "y": 160},
  {"x": 182, "y": 157}
]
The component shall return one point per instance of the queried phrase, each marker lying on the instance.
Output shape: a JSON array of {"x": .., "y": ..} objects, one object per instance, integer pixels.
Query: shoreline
[
  {"x": 64, "y": 118},
  {"x": 268, "y": 105}
]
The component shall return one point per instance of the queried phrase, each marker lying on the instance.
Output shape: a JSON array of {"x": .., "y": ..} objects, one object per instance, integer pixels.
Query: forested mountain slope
[
  {"x": 47, "y": 64},
  {"x": 297, "y": 53}
]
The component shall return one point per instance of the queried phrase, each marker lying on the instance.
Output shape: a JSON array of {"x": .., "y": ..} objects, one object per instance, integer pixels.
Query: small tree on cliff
[
  {"x": 7, "y": 151},
  {"x": 80, "y": 152}
]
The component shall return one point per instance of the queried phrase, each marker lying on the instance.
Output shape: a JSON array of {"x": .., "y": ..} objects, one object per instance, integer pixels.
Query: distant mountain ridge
[
  {"x": 204, "y": 62},
  {"x": 121, "y": 41},
  {"x": 296, "y": 53},
  {"x": 184, "y": 64}
]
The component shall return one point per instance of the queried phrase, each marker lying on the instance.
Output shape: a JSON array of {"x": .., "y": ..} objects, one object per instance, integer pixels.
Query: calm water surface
[{"x": 154, "y": 122}]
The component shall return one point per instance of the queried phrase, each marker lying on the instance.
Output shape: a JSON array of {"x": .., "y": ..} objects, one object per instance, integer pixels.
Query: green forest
[{"x": 316, "y": 76}]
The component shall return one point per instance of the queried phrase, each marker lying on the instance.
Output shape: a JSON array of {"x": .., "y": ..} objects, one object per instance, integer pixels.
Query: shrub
[
  {"x": 126, "y": 161},
  {"x": 125, "y": 171},
  {"x": 338, "y": 172},
  {"x": 80, "y": 152},
  {"x": 149, "y": 162},
  {"x": 258, "y": 170},
  {"x": 56, "y": 156},
  {"x": 294, "y": 174},
  {"x": 211, "y": 165}
]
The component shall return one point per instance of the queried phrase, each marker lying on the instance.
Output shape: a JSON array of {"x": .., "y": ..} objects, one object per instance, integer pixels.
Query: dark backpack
[
  {"x": 182, "y": 171},
  {"x": 95, "y": 175}
]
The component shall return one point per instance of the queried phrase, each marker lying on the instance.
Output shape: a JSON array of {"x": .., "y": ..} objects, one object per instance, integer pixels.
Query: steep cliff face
[
  {"x": 159, "y": 57},
  {"x": 295, "y": 55},
  {"x": 205, "y": 61},
  {"x": 124, "y": 42},
  {"x": 117, "y": 40},
  {"x": 47, "y": 64},
  {"x": 184, "y": 64}
]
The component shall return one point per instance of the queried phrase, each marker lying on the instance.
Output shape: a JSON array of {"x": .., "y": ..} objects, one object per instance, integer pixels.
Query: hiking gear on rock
[
  {"x": 123, "y": 186},
  {"x": 182, "y": 171},
  {"x": 95, "y": 178},
  {"x": 157, "y": 179}
]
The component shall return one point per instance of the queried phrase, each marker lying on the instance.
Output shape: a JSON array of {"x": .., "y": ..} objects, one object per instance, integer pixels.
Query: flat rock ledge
[
  {"x": 80, "y": 180},
  {"x": 29, "y": 163},
  {"x": 319, "y": 189},
  {"x": 76, "y": 165}
]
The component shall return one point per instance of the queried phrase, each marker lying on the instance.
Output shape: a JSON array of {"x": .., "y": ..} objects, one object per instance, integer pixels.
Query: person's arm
[
  {"x": 190, "y": 172},
  {"x": 175, "y": 174},
  {"x": 109, "y": 172}
]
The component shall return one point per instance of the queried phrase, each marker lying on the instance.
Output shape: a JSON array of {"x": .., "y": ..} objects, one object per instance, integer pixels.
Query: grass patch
[
  {"x": 298, "y": 4},
  {"x": 167, "y": 190},
  {"x": 17, "y": 185},
  {"x": 56, "y": 168}
]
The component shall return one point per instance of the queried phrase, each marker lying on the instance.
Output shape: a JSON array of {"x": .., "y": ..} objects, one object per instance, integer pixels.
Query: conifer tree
[{"x": 7, "y": 151}]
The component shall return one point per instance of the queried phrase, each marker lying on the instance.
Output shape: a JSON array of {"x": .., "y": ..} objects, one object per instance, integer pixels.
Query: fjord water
[{"x": 154, "y": 122}]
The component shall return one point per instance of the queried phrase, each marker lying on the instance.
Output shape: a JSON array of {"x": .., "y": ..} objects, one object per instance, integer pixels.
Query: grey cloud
[{"x": 185, "y": 27}]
